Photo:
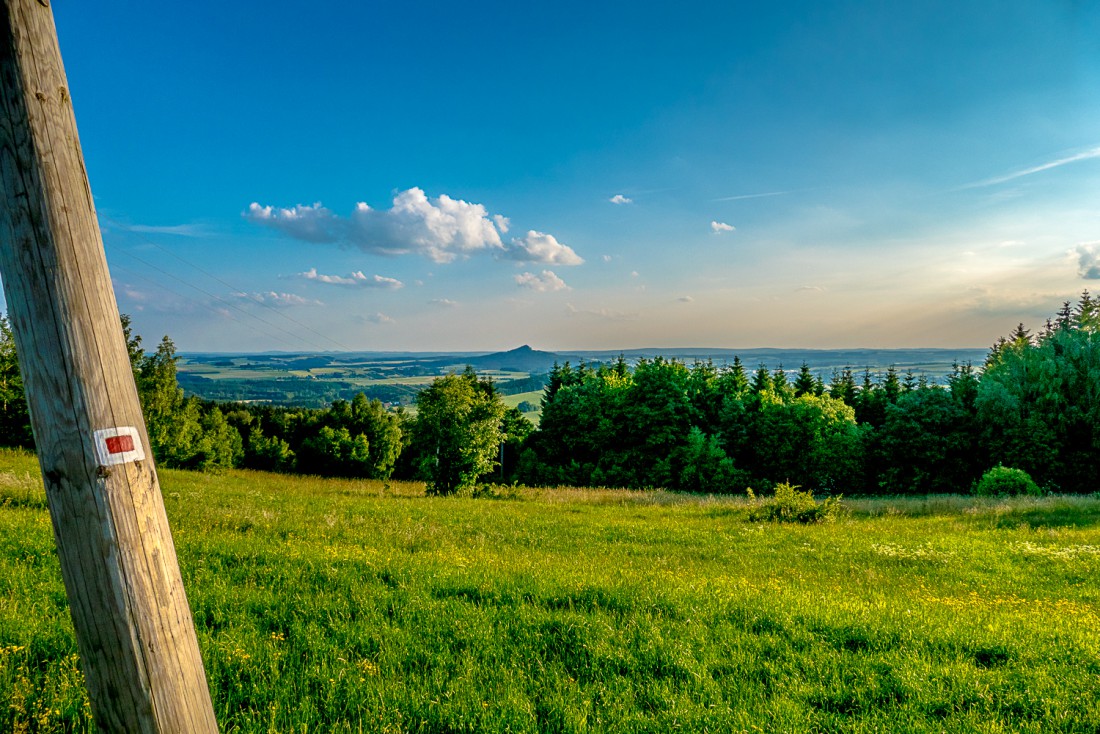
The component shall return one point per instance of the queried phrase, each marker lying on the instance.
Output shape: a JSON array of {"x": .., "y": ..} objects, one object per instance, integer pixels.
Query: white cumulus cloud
[
  {"x": 444, "y": 302},
  {"x": 378, "y": 318},
  {"x": 1088, "y": 260},
  {"x": 354, "y": 280},
  {"x": 543, "y": 283},
  {"x": 442, "y": 229},
  {"x": 719, "y": 227},
  {"x": 539, "y": 247},
  {"x": 620, "y": 199},
  {"x": 310, "y": 223}
]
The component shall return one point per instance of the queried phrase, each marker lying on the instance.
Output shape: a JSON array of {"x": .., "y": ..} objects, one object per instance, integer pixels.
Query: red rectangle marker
[{"x": 119, "y": 444}]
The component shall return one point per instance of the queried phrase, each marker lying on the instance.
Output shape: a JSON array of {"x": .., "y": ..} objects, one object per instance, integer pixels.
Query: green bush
[
  {"x": 790, "y": 505},
  {"x": 1001, "y": 481}
]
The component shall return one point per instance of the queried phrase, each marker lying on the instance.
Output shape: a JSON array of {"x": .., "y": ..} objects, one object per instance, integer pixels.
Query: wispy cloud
[
  {"x": 545, "y": 282},
  {"x": 442, "y": 229},
  {"x": 1082, "y": 156},
  {"x": 603, "y": 313},
  {"x": 719, "y": 227},
  {"x": 685, "y": 299},
  {"x": 272, "y": 298},
  {"x": 377, "y": 318},
  {"x": 178, "y": 230},
  {"x": 739, "y": 197},
  {"x": 354, "y": 280},
  {"x": 444, "y": 303},
  {"x": 810, "y": 289},
  {"x": 620, "y": 199}
]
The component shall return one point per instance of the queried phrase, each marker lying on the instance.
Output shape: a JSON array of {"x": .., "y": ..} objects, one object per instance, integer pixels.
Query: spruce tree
[
  {"x": 805, "y": 384},
  {"x": 761, "y": 380}
]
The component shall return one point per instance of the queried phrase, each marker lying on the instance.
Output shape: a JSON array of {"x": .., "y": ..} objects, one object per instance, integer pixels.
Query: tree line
[{"x": 1034, "y": 405}]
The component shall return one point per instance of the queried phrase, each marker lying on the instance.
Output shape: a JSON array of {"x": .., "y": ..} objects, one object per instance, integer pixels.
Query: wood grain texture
[{"x": 137, "y": 640}]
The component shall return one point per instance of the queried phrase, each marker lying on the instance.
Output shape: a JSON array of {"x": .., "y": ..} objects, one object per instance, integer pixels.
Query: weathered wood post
[{"x": 137, "y": 641}]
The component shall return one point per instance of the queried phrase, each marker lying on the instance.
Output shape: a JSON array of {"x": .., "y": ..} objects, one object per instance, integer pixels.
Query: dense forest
[{"x": 1034, "y": 405}]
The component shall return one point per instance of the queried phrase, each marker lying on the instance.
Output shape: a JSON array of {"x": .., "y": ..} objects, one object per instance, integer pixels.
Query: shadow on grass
[
  {"x": 1060, "y": 515},
  {"x": 1054, "y": 511}
]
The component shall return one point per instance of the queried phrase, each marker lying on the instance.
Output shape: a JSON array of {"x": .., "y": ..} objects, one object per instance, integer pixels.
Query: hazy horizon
[{"x": 366, "y": 177}]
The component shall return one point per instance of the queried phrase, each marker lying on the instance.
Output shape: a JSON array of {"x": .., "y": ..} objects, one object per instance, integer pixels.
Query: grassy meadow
[{"x": 347, "y": 606}]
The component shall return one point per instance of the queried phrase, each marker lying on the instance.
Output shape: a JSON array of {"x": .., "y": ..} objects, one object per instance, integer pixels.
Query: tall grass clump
[{"x": 790, "y": 505}]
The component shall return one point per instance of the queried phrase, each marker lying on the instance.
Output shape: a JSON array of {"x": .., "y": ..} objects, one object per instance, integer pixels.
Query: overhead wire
[
  {"x": 116, "y": 267},
  {"x": 223, "y": 301},
  {"x": 250, "y": 297}
]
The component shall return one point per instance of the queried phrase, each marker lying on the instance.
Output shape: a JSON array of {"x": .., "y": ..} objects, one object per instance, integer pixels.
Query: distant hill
[
  {"x": 521, "y": 359},
  {"x": 934, "y": 362}
]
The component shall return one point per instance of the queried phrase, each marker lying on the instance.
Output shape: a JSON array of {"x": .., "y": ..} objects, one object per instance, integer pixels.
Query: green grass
[
  {"x": 328, "y": 605},
  {"x": 534, "y": 397}
]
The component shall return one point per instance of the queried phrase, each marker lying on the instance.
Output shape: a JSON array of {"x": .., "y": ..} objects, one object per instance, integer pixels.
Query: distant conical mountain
[{"x": 521, "y": 359}]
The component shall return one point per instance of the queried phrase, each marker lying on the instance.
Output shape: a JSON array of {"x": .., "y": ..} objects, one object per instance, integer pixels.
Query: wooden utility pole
[{"x": 137, "y": 641}]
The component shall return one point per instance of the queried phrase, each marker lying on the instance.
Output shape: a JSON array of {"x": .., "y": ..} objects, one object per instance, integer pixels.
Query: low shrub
[
  {"x": 790, "y": 505},
  {"x": 1002, "y": 481}
]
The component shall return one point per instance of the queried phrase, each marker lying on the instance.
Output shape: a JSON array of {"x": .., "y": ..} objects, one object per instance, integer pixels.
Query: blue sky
[{"x": 476, "y": 176}]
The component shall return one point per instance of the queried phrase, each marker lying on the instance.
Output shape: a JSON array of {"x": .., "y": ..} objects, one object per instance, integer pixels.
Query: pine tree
[
  {"x": 761, "y": 380},
  {"x": 15, "y": 425},
  {"x": 843, "y": 386},
  {"x": 909, "y": 383},
  {"x": 780, "y": 385},
  {"x": 805, "y": 384},
  {"x": 891, "y": 385},
  {"x": 1020, "y": 337},
  {"x": 133, "y": 344},
  {"x": 732, "y": 381},
  {"x": 1087, "y": 313}
]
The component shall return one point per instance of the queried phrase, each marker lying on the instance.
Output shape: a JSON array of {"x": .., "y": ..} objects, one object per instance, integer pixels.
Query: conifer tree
[
  {"x": 15, "y": 424},
  {"x": 843, "y": 386},
  {"x": 732, "y": 381},
  {"x": 781, "y": 385},
  {"x": 761, "y": 380},
  {"x": 805, "y": 384}
]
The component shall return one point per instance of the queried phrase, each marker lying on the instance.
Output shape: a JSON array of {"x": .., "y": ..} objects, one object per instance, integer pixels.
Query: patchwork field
[{"x": 328, "y": 605}]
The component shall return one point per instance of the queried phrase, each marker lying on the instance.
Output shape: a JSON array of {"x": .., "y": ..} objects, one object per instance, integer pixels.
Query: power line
[
  {"x": 221, "y": 300},
  {"x": 234, "y": 289},
  {"x": 207, "y": 306},
  {"x": 254, "y": 300}
]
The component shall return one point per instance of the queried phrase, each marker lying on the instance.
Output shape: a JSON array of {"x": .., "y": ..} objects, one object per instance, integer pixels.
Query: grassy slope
[{"x": 339, "y": 606}]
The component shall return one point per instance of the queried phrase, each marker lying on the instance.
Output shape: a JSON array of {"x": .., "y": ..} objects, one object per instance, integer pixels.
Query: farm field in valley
[
  {"x": 334, "y": 605},
  {"x": 316, "y": 379}
]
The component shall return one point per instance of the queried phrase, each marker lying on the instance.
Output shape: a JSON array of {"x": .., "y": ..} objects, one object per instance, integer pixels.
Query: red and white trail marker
[{"x": 118, "y": 446}]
